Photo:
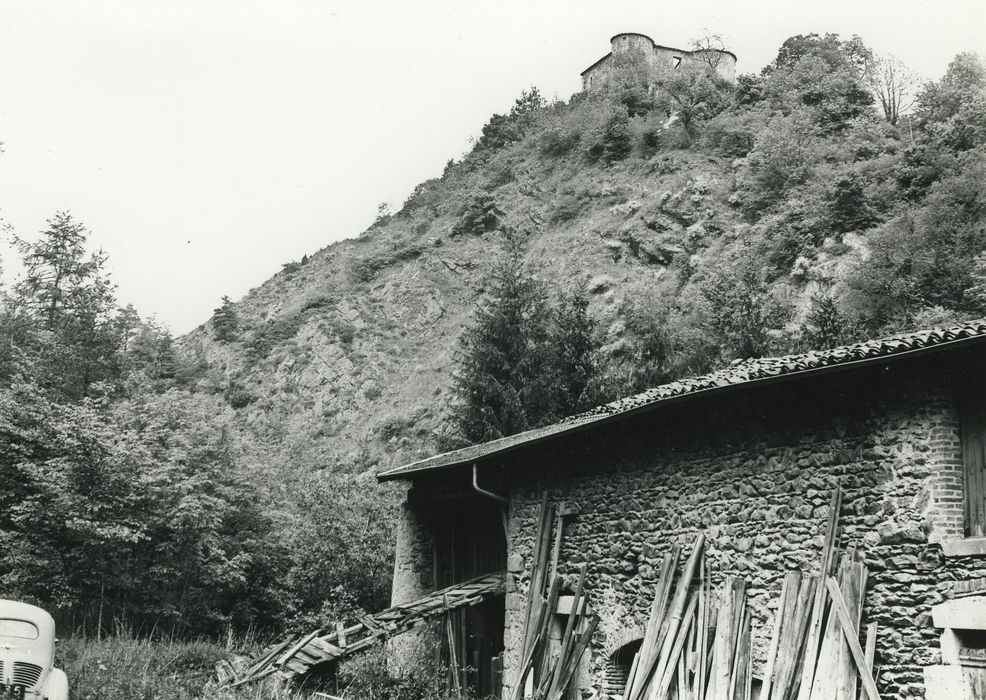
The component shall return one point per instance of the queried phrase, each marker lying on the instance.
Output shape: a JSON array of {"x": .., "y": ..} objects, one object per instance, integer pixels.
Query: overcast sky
[{"x": 206, "y": 142}]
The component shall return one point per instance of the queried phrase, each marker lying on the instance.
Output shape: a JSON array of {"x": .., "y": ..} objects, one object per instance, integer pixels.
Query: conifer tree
[
  {"x": 504, "y": 380},
  {"x": 225, "y": 323},
  {"x": 66, "y": 308},
  {"x": 574, "y": 353},
  {"x": 825, "y": 326}
]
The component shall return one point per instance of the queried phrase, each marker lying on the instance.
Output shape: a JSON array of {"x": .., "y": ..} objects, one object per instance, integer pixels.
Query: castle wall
[
  {"x": 661, "y": 60},
  {"x": 631, "y": 42}
]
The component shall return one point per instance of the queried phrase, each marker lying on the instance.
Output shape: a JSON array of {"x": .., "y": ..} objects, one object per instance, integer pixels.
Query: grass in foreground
[{"x": 125, "y": 668}]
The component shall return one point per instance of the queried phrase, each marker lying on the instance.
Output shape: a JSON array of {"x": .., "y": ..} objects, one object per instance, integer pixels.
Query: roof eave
[
  {"x": 596, "y": 63},
  {"x": 412, "y": 471}
]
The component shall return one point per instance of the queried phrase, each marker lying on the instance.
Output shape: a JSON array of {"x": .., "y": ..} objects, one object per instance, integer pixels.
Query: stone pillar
[
  {"x": 413, "y": 572},
  {"x": 516, "y": 596}
]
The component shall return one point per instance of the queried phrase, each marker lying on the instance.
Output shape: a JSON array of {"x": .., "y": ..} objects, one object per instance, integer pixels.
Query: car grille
[
  {"x": 25, "y": 674},
  {"x": 1, "y": 671}
]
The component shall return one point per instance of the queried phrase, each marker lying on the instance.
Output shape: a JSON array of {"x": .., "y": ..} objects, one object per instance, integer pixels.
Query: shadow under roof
[{"x": 739, "y": 374}]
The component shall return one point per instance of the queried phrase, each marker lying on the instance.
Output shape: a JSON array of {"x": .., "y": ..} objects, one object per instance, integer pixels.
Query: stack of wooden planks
[
  {"x": 548, "y": 666},
  {"x": 700, "y": 647},
  {"x": 295, "y": 657}
]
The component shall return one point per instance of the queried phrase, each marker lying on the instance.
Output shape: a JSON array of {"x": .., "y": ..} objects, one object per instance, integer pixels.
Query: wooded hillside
[{"x": 226, "y": 478}]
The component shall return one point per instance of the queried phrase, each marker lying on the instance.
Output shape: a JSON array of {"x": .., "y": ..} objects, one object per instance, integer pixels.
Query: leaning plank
[
  {"x": 269, "y": 655},
  {"x": 566, "y": 640},
  {"x": 870, "y": 650},
  {"x": 289, "y": 654},
  {"x": 665, "y": 660},
  {"x": 775, "y": 639},
  {"x": 825, "y": 683},
  {"x": 578, "y": 653},
  {"x": 678, "y": 645},
  {"x": 796, "y": 648},
  {"x": 818, "y": 609},
  {"x": 311, "y": 650},
  {"x": 534, "y": 589},
  {"x": 651, "y": 645},
  {"x": 845, "y": 620},
  {"x": 723, "y": 643}
]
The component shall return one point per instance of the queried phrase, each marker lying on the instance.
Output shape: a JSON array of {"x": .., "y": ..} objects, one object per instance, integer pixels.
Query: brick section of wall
[
  {"x": 948, "y": 487},
  {"x": 758, "y": 483}
]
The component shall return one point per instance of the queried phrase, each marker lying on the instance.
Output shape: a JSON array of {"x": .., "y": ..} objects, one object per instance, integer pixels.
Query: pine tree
[
  {"x": 225, "y": 322},
  {"x": 68, "y": 303},
  {"x": 504, "y": 380},
  {"x": 647, "y": 351},
  {"x": 826, "y": 326},
  {"x": 575, "y": 355}
]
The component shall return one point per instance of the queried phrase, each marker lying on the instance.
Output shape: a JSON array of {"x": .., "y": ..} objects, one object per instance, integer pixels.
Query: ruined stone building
[
  {"x": 747, "y": 455},
  {"x": 660, "y": 60}
]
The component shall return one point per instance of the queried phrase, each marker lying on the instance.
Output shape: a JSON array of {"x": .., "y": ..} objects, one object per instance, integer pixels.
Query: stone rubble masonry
[
  {"x": 661, "y": 60},
  {"x": 412, "y": 580},
  {"x": 758, "y": 484},
  {"x": 754, "y": 470}
]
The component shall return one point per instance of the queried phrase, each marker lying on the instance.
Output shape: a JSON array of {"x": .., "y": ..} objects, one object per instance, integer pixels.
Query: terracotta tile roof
[{"x": 739, "y": 373}]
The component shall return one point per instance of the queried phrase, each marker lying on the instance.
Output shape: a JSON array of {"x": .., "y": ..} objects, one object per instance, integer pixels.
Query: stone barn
[{"x": 749, "y": 456}]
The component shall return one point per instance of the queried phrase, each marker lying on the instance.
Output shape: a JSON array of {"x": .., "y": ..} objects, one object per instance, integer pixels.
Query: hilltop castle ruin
[{"x": 660, "y": 59}]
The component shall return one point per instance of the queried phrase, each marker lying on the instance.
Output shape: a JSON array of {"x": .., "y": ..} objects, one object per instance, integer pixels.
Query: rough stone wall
[
  {"x": 413, "y": 560},
  {"x": 631, "y": 42},
  {"x": 758, "y": 483},
  {"x": 660, "y": 60},
  {"x": 724, "y": 63}
]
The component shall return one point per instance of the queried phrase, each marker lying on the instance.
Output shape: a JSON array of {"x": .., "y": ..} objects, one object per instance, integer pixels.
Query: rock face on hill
[{"x": 351, "y": 352}]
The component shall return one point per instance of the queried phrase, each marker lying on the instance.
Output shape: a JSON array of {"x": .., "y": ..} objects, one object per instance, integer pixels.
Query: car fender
[{"x": 56, "y": 686}]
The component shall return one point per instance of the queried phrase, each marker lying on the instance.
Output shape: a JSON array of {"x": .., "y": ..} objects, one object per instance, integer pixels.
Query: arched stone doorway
[{"x": 618, "y": 668}]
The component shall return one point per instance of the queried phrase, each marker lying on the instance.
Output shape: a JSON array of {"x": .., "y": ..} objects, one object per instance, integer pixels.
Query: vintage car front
[{"x": 27, "y": 654}]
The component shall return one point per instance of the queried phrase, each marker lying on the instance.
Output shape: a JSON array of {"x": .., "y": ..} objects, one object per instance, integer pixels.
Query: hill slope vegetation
[{"x": 706, "y": 222}]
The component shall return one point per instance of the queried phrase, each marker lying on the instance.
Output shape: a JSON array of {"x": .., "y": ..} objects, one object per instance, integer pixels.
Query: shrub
[
  {"x": 742, "y": 313},
  {"x": 504, "y": 129},
  {"x": 784, "y": 157},
  {"x": 733, "y": 135},
  {"x": 365, "y": 269},
  {"x": 608, "y": 139},
  {"x": 373, "y": 676},
  {"x": 478, "y": 215},
  {"x": 238, "y": 396},
  {"x": 556, "y": 141},
  {"x": 693, "y": 97},
  {"x": 848, "y": 205},
  {"x": 343, "y": 330},
  {"x": 566, "y": 207},
  {"x": 791, "y": 233},
  {"x": 629, "y": 83},
  {"x": 648, "y": 134}
]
